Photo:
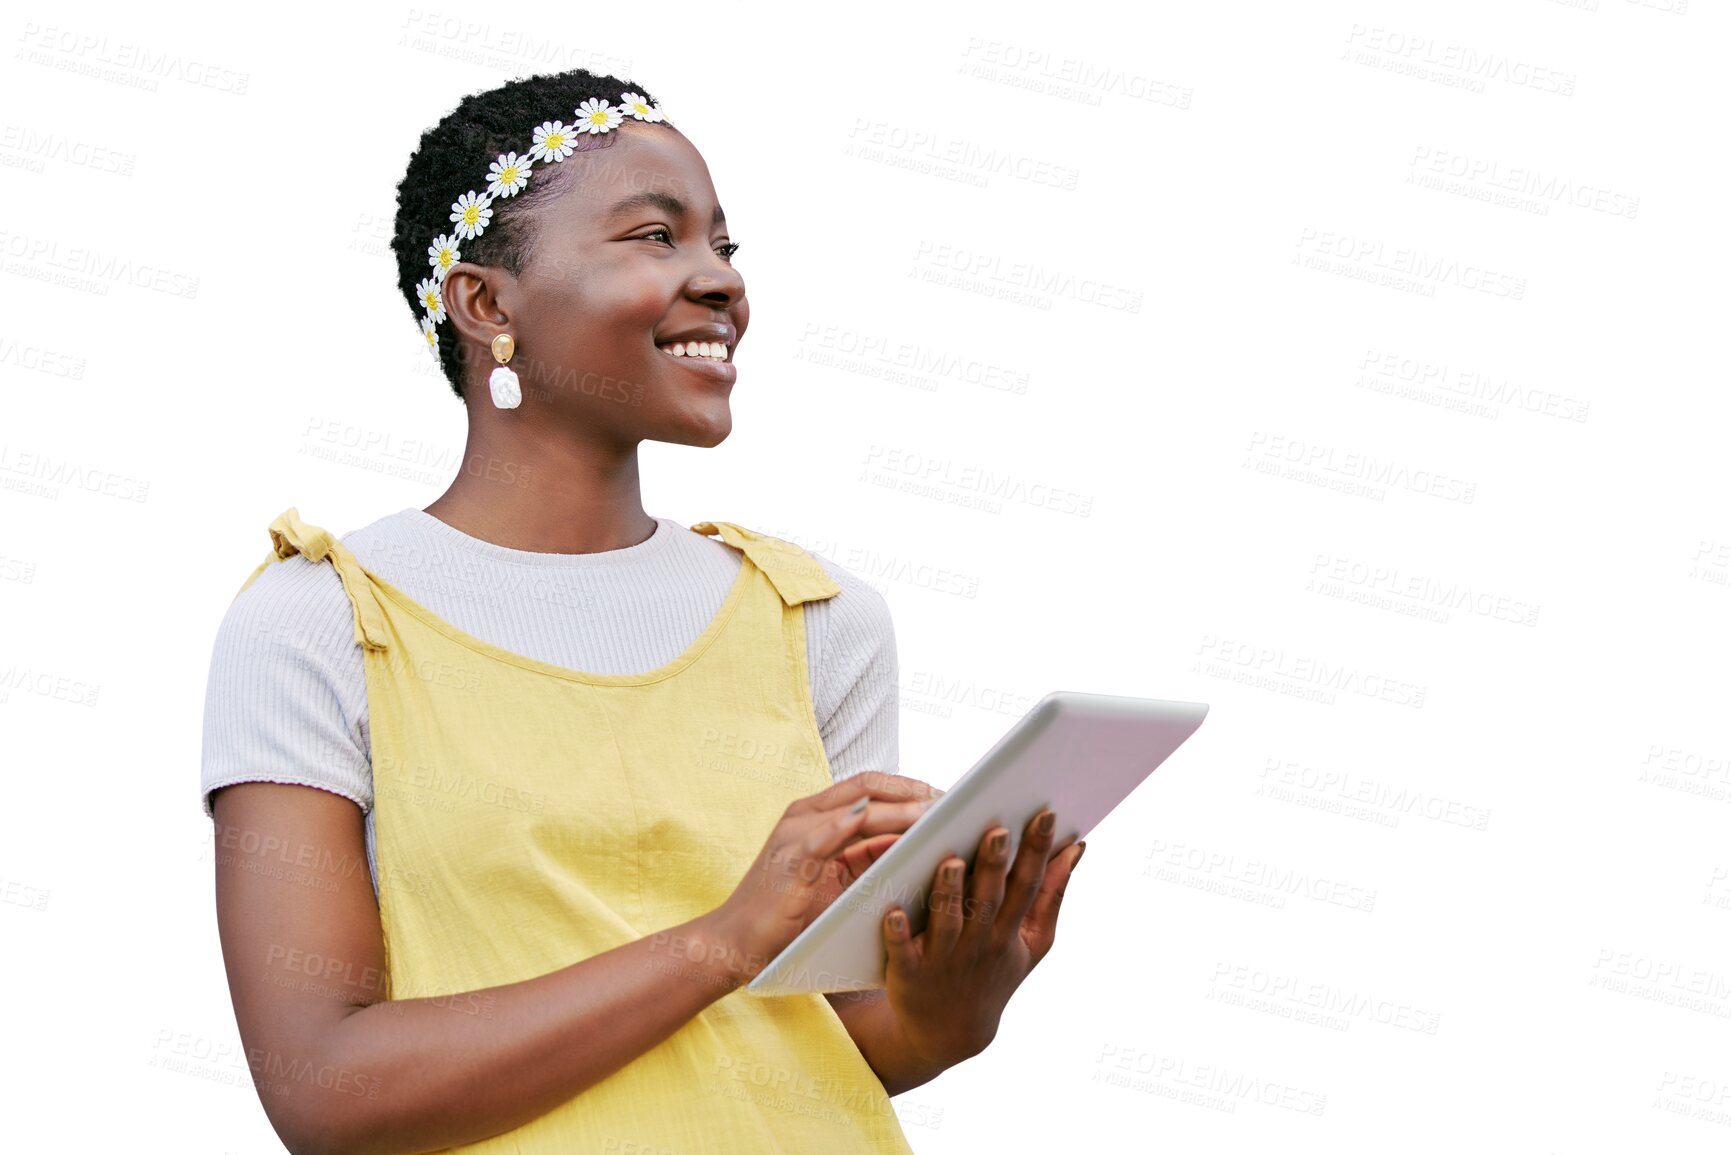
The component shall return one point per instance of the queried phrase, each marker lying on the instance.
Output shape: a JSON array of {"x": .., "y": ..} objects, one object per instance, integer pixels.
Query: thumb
[
  {"x": 1042, "y": 919},
  {"x": 857, "y": 857}
]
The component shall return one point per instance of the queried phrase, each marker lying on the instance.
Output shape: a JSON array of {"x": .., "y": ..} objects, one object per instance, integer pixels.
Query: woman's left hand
[{"x": 948, "y": 985}]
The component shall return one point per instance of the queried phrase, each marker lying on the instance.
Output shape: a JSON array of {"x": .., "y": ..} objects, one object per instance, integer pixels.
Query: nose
[{"x": 718, "y": 284}]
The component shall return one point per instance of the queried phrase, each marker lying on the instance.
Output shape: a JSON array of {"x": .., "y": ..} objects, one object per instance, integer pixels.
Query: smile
[{"x": 706, "y": 350}]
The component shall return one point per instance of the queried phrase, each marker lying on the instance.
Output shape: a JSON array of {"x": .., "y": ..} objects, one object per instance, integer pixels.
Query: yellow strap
[
  {"x": 290, "y": 535},
  {"x": 796, "y": 575}
]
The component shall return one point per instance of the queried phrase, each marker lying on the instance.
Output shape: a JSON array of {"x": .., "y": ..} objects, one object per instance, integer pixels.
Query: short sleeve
[
  {"x": 851, "y": 647},
  {"x": 286, "y": 695}
]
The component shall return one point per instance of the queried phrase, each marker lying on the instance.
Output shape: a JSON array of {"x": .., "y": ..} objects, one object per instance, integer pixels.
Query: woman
[{"x": 571, "y": 872}]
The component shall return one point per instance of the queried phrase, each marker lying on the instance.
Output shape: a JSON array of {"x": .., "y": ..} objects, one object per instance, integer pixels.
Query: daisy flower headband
[{"x": 551, "y": 143}]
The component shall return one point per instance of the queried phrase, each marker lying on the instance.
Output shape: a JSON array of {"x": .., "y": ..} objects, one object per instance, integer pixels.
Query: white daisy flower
[
  {"x": 508, "y": 175},
  {"x": 431, "y": 333},
  {"x": 553, "y": 141},
  {"x": 442, "y": 254},
  {"x": 642, "y": 109},
  {"x": 431, "y": 299},
  {"x": 597, "y": 115},
  {"x": 471, "y": 215}
]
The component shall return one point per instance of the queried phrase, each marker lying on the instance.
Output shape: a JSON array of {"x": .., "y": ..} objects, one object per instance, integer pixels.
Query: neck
[{"x": 546, "y": 493}]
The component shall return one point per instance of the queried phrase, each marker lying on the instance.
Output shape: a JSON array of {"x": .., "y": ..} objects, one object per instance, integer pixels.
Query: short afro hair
[{"x": 452, "y": 159}]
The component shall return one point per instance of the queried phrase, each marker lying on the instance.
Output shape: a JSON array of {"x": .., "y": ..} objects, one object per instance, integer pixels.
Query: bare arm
[{"x": 339, "y": 1069}]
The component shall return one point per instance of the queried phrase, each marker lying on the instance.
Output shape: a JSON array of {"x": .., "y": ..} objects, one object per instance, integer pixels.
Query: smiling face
[{"x": 629, "y": 264}]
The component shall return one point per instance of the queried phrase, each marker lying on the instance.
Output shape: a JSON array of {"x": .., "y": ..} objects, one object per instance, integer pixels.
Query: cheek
[
  {"x": 635, "y": 309},
  {"x": 598, "y": 312}
]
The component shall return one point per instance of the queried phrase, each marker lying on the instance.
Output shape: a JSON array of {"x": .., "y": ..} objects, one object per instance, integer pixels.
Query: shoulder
[
  {"x": 854, "y": 627},
  {"x": 285, "y": 699},
  {"x": 290, "y": 634},
  {"x": 296, "y": 606},
  {"x": 858, "y": 599},
  {"x": 293, "y": 602}
]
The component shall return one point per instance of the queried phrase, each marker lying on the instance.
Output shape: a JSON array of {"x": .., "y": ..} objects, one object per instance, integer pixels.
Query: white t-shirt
[{"x": 287, "y": 696}]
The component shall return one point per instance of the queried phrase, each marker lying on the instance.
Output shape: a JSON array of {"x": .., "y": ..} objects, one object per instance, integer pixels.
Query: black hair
[{"x": 452, "y": 159}]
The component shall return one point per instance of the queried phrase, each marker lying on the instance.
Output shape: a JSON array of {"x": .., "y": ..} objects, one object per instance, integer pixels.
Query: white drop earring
[{"x": 507, "y": 391}]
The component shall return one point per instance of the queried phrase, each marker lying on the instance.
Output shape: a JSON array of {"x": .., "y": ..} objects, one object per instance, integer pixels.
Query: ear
[{"x": 476, "y": 310}]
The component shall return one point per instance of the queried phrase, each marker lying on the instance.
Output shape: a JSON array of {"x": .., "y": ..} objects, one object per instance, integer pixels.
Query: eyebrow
[{"x": 659, "y": 200}]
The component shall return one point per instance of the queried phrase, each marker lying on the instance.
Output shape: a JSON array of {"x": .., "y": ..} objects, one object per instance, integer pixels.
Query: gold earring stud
[{"x": 507, "y": 391}]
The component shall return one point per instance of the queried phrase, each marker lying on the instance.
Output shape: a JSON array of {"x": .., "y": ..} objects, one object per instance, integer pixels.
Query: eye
[{"x": 725, "y": 250}]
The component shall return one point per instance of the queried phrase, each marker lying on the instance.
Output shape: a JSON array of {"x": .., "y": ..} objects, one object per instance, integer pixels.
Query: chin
[
  {"x": 715, "y": 438},
  {"x": 701, "y": 436}
]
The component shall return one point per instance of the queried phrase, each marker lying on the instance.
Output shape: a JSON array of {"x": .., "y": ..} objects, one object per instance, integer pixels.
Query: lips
[
  {"x": 711, "y": 342},
  {"x": 705, "y": 350}
]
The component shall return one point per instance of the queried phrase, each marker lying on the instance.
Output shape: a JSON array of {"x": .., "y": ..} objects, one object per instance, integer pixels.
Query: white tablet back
[{"x": 1080, "y": 754}]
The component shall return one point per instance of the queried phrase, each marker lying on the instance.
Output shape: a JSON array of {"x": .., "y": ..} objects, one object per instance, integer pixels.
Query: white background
[{"x": 1357, "y": 369}]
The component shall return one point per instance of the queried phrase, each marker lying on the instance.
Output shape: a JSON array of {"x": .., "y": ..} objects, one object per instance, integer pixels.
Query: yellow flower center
[
  {"x": 471, "y": 214},
  {"x": 555, "y": 140},
  {"x": 444, "y": 258},
  {"x": 508, "y": 174},
  {"x": 597, "y": 117},
  {"x": 432, "y": 299}
]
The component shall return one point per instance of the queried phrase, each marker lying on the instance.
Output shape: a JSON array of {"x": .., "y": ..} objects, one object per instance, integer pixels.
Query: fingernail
[
  {"x": 1045, "y": 824},
  {"x": 1081, "y": 849},
  {"x": 953, "y": 873},
  {"x": 1000, "y": 840},
  {"x": 858, "y": 806}
]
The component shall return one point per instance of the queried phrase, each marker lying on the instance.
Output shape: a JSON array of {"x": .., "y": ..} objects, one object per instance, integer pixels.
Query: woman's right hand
[{"x": 822, "y": 843}]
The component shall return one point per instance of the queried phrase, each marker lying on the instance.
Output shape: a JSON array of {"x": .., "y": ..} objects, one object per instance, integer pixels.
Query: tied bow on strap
[
  {"x": 290, "y": 535},
  {"x": 797, "y": 575}
]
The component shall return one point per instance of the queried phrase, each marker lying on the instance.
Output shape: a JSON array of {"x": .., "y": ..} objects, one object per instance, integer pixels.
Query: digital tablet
[{"x": 1080, "y": 754}]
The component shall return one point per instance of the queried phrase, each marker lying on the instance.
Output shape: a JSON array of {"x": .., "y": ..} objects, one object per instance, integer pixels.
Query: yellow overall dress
[{"x": 528, "y": 816}]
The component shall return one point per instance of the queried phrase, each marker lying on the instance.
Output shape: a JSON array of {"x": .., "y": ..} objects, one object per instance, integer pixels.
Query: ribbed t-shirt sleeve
[
  {"x": 286, "y": 696},
  {"x": 851, "y": 644}
]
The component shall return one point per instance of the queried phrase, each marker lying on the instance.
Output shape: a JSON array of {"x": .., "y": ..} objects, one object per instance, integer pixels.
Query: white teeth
[{"x": 714, "y": 350}]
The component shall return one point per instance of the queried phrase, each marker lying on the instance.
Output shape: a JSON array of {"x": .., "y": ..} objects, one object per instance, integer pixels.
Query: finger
[
  {"x": 875, "y": 817},
  {"x": 867, "y": 783},
  {"x": 823, "y": 835},
  {"x": 985, "y": 891},
  {"x": 944, "y": 922},
  {"x": 932, "y": 791},
  {"x": 1041, "y": 927},
  {"x": 892, "y": 817},
  {"x": 1026, "y": 875},
  {"x": 901, "y": 949},
  {"x": 857, "y": 857}
]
